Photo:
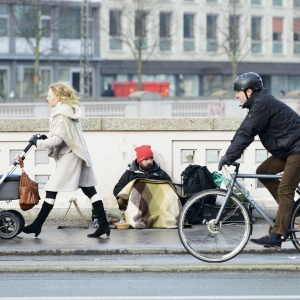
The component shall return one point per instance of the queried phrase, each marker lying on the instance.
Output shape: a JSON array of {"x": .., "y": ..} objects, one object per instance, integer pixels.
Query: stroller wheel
[
  {"x": 9, "y": 225},
  {"x": 21, "y": 218}
]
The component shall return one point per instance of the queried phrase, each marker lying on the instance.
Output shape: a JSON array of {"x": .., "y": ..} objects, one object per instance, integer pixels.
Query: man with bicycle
[{"x": 278, "y": 128}]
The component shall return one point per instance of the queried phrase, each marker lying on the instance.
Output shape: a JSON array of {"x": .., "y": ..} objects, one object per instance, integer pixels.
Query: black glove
[
  {"x": 36, "y": 137},
  {"x": 43, "y": 137},
  {"x": 33, "y": 139},
  {"x": 223, "y": 161}
]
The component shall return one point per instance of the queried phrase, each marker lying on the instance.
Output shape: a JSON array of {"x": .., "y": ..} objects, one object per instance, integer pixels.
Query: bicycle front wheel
[
  {"x": 295, "y": 225},
  {"x": 212, "y": 242}
]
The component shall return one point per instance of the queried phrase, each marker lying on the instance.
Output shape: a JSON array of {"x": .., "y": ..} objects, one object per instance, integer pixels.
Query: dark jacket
[
  {"x": 108, "y": 93},
  {"x": 133, "y": 172},
  {"x": 276, "y": 124}
]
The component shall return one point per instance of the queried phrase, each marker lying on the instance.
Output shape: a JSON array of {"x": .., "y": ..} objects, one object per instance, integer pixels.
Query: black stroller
[{"x": 11, "y": 221}]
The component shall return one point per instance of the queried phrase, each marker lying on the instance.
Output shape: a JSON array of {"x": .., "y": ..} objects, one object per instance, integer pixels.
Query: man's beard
[{"x": 146, "y": 168}]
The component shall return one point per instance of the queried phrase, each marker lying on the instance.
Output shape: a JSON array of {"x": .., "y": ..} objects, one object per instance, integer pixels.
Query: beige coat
[{"x": 67, "y": 146}]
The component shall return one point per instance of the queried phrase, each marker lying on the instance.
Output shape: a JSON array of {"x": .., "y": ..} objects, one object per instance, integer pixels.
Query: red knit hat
[{"x": 143, "y": 152}]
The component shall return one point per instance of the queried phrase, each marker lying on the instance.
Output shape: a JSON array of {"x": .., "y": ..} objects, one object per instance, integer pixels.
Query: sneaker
[{"x": 266, "y": 241}]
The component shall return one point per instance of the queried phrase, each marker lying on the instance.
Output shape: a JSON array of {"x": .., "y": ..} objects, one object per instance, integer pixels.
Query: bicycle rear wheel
[
  {"x": 295, "y": 224},
  {"x": 211, "y": 242}
]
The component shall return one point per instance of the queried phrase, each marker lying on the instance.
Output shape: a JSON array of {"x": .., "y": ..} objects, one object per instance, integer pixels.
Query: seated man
[{"x": 147, "y": 194}]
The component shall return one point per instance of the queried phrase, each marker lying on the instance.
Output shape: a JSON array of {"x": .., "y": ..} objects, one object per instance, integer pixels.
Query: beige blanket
[{"x": 151, "y": 203}]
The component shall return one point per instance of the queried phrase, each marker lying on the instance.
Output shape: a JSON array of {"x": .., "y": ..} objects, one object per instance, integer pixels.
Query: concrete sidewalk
[
  {"x": 133, "y": 250},
  {"x": 74, "y": 241}
]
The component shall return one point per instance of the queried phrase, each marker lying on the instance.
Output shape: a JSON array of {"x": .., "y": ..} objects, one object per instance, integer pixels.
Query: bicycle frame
[{"x": 234, "y": 183}]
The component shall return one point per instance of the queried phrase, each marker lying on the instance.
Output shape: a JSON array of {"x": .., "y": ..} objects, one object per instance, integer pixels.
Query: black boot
[
  {"x": 102, "y": 221},
  {"x": 37, "y": 224}
]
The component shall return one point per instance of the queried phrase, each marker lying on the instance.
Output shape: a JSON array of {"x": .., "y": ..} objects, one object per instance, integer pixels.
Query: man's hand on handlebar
[
  {"x": 36, "y": 137},
  {"x": 223, "y": 161}
]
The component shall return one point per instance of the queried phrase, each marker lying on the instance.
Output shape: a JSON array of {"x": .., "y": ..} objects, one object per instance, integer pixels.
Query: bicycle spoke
[{"x": 209, "y": 241}]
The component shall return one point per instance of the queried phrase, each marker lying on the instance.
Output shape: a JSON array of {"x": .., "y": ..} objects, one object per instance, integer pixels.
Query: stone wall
[{"x": 111, "y": 142}]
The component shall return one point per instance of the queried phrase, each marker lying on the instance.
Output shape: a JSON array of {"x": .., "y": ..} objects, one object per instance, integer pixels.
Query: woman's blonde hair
[{"x": 65, "y": 93}]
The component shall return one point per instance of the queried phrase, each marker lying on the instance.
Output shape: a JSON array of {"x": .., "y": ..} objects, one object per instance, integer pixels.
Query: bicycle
[{"x": 219, "y": 236}]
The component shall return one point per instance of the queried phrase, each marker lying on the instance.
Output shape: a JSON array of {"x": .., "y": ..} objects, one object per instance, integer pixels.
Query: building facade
[
  {"x": 198, "y": 41},
  {"x": 196, "y": 45},
  {"x": 59, "y": 45}
]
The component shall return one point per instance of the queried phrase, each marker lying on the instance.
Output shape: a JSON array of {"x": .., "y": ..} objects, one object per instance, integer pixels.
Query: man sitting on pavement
[{"x": 146, "y": 193}]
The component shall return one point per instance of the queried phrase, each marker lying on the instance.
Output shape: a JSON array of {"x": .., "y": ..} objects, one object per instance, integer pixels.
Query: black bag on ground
[{"x": 197, "y": 179}]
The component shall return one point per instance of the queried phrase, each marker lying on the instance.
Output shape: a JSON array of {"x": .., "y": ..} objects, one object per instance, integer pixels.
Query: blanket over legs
[{"x": 151, "y": 203}]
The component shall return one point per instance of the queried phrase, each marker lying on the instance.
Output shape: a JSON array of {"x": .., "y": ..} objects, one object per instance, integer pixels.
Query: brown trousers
[{"x": 283, "y": 191}]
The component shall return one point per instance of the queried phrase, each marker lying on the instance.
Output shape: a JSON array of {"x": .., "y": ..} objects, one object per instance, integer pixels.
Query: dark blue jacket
[
  {"x": 108, "y": 93},
  {"x": 276, "y": 124}
]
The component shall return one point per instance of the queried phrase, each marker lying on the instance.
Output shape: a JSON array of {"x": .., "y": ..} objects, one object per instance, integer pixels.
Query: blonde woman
[{"x": 67, "y": 146}]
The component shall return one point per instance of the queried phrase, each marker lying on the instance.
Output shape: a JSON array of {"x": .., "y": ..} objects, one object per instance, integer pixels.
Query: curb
[
  {"x": 150, "y": 269},
  {"x": 48, "y": 252}
]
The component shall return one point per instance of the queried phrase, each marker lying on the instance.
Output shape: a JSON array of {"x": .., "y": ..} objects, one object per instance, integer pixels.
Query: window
[
  {"x": 234, "y": 1},
  {"x": 69, "y": 24},
  {"x": 279, "y": 83},
  {"x": 190, "y": 85},
  {"x": 64, "y": 75},
  {"x": 140, "y": 29},
  {"x": 115, "y": 41},
  {"x": 3, "y": 20},
  {"x": 45, "y": 24},
  {"x": 45, "y": 80},
  {"x": 234, "y": 27},
  {"x": 211, "y": 33},
  {"x": 256, "y": 44},
  {"x": 25, "y": 86},
  {"x": 297, "y": 36},
  {"x": 187, "y": 156},
  {"x": 13, "y": 154},
  {"x": 297, "y": 3},
  {"x": 259, "y": 185},
  {"x": 188, "y": 32},
  {"x": 256, "y": 2},
  {"x": 277, "y": 2},
  {"x": 41, "y": 180},
  {"x": 212, "y": 83},
  {"x": 41, "y": 157},
  {"x": 277, "y": 35},
  {"x": 234, "y": 33},
  {"x": 212, "y": 156},
  {"x": 165, "y": 31},
  {"x": 3, "y": 84},
  {"x": 26, "y": 21},
  {"x": 211, "y": 1},
  {"x": 261, "y": 155}
]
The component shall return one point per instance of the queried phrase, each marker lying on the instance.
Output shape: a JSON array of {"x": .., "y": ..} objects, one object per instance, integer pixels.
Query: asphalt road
[{"x": 146, "y": 286}]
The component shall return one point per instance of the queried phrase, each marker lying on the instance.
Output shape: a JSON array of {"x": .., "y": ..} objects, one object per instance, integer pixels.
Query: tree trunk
[
  {"x": 234, "y": 70},
  {"x": 36, "y": 75},
  {"x": 139, "y": 74}
]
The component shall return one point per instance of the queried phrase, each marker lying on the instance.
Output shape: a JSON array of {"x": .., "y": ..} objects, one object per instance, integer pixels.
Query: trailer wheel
[{"x": 9, "y": 225}]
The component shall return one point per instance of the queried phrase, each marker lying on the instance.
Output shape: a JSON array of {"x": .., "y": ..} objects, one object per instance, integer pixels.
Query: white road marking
[{"x": 257, "y": 297}]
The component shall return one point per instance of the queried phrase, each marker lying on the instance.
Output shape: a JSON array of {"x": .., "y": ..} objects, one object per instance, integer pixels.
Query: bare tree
[
  {"x": 139, "y": 30},
  {"x": 34, "y": 22},
  {"x": 235, "y": 37}
]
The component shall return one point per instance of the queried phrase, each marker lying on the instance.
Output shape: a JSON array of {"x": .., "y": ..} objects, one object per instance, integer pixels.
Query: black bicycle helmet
[{"x": 248, "y": 80}]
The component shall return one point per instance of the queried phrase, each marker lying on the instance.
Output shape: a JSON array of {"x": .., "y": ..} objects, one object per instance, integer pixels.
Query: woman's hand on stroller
[{"x": 36, "y": 137}]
